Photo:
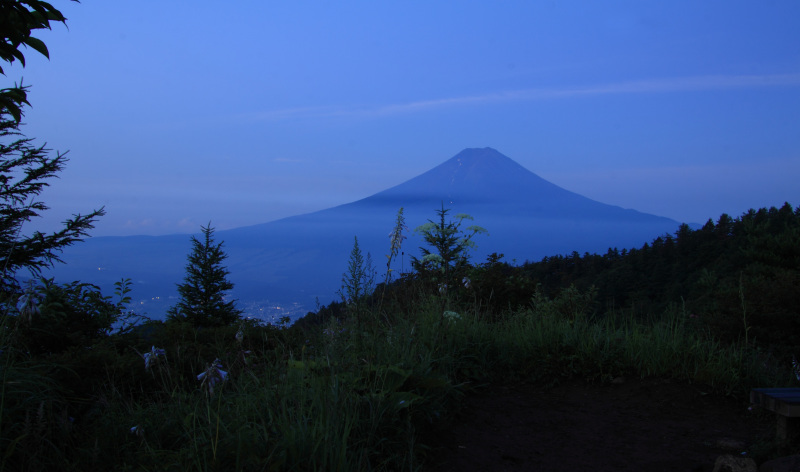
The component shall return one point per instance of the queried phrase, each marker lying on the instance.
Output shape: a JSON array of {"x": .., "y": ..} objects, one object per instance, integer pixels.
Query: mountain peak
[
  {"x": 476, "y": 165},
  {"x": 486, "y": 153},
  {"x": 474, "y": 173}
]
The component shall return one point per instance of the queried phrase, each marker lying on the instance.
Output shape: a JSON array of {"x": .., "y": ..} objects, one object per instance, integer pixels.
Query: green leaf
[
  {"x": 16, "y": 53},
  {"x": 10, "y": 106},
  {"x": 38, "y": 45}
]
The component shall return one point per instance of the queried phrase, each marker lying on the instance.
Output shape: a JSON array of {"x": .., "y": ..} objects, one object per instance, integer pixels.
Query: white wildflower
[
  {"x": 396, "y": 238},
  {"x": 435, "y": 258},
  {"x": 151, "y": 357},
  {"x": 30, "y": 305},
  {"x": 212, "y": 375}
]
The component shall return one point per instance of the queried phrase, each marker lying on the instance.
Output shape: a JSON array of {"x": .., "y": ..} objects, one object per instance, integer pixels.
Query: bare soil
[{"x": 635, "y": 425}]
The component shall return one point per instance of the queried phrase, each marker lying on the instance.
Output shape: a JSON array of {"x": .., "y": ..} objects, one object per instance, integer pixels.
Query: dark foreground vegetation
[{"x": 358, "y": 384}]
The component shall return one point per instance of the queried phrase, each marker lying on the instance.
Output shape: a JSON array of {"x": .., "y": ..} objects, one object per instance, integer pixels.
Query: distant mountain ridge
[{"x": 301, "y": 258}]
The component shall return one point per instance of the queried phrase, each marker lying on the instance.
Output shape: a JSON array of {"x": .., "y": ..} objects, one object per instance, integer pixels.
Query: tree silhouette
[
  {"x": 25, "y": 168},
  {"x": 450, "y": 243},
  {"x": 203, "y": 289}
]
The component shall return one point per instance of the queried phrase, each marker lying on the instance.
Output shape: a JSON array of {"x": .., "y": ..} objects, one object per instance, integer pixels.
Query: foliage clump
[
  {"x": 450, "y": 243},
  {"x": 342, "y": 392},
  {"x": 25, "y": 167}
]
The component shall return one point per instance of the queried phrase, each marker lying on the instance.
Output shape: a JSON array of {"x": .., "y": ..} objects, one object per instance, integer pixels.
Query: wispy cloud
[
  {"x": 681, "y": 84},
  {"x": 666, "y": 85}
]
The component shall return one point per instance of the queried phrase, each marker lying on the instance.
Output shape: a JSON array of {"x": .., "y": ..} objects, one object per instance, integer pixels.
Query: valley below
[{"x": 291, "y": 266}]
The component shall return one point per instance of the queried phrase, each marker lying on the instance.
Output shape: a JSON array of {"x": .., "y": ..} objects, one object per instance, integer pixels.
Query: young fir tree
[
  {"x": 358, "y": 282},
  {"x": 450, "y": 243},
  {"x": 203, "y": 289}
]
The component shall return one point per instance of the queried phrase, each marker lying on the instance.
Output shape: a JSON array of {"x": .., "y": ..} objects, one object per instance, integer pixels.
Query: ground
[{"x": 636, "y": 425}]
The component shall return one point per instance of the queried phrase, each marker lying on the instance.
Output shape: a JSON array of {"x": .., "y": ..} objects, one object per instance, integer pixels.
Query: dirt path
[{"x": 638, "y": 425}]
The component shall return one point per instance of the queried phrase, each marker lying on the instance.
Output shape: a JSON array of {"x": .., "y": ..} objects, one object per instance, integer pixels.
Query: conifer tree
[
  {"x": 25, "y": 168},
  {"x": 359, "y": 280},
  {"x": 450, "y": 243},
  {"x": 203, "y": 289}
]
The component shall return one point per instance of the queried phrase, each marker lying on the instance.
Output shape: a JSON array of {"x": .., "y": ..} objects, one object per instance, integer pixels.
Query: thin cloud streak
[{"x": 681, "y": 84}]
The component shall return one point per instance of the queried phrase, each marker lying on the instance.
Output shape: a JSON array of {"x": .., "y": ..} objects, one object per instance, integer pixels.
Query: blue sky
[{"x": 182, "y": 112}]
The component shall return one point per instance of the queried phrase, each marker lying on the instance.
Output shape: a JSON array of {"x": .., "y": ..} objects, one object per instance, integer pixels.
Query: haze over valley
[{"x": 284, "y": 267}]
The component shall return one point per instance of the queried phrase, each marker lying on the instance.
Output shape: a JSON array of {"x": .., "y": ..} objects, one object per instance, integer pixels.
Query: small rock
[
  {"x": 782, "y": 464},
  {"x": 729, "y": 463}
]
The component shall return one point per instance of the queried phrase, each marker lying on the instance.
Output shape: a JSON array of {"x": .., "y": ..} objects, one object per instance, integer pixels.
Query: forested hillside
[{"x": 739, "y": 277}]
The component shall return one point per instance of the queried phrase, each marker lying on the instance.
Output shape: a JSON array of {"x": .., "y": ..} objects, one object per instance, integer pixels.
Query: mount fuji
[{"x": 283, "y": 267}]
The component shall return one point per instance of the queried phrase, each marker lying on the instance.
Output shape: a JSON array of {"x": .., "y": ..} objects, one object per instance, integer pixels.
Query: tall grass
[
  {"x": 542, "y": 344},
  {"x": 339, "y": 396}
]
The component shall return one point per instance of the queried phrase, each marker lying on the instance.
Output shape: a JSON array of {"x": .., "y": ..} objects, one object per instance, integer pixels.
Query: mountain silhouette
[
  {"x": 485, "y": 178},
  {"x": 300, "y": 260}
]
